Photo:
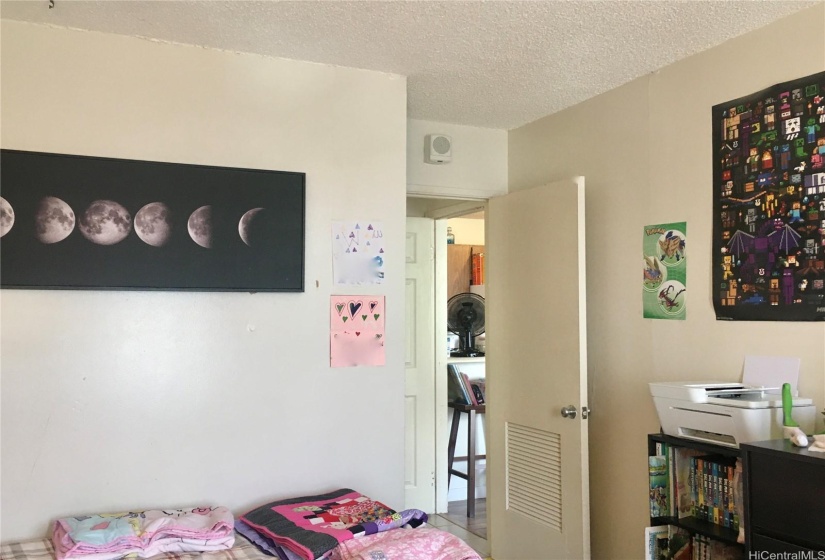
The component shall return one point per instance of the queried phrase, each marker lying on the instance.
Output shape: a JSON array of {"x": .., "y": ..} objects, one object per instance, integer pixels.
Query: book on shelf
[
  {"x": 657, "y": 470},
  {"x": 477, "y": 270},
  {"x": 738, "y": 500},
  {"x": 666, "y": 451},
  {"x": 479, "y": 389},
  {"x": 469, "y": 388},
  {"x": 679, "y": 544},
  {"x": 683, "y": 490},
  {"x": 668, "y": 542},
  {"x": 655, "y": 542},
  {"x": 706, "y": 548},
  {"x": 456, "y": 389}
]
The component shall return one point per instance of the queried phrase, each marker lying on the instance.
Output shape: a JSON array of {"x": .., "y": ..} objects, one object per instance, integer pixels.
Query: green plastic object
[{"x": 787, "y": 405}]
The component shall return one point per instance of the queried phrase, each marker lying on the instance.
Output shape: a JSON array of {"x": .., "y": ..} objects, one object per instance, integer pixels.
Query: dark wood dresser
[{"x": 784, "y": 498}]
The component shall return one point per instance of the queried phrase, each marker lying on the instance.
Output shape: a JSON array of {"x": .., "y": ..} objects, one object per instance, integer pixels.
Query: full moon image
[
  {"x": 200, "y": 226},
  {"x": 152, "y": 224},
  {"x": 105, "y": 222},
  {"x": 6, "y": 216},
  {"x": 246, "y": 222},
  {"x": 54, "y": 220}
]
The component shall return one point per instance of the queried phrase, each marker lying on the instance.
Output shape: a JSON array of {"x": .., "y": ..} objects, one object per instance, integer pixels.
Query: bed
[
  {"x": 407, "y": 545},
  {"x": 42, "y": 549},
  {"x": 338, "y": 525}
]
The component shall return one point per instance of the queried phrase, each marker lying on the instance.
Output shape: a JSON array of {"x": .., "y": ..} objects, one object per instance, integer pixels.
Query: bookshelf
[
  {"x": 682, "y": 512},
  {"x": 783, "y": 511}
]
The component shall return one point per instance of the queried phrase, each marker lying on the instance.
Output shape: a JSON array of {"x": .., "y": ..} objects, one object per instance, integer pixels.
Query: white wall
[
  {"x": 116, "y": 400},
  {"x": 478, "y": 168},
  {"x": 645, "y": 152}
]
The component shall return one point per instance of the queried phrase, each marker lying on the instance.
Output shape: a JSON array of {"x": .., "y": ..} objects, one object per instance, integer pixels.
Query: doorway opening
[
  {"x": 538, "y": 460},
  {"x": 459, "y": 264}
]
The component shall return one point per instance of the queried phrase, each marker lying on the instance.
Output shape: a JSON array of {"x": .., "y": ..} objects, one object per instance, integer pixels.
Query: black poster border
[{"x": 170, "y": 226}]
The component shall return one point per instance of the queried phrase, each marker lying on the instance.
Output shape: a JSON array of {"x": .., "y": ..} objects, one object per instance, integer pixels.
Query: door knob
[{"x": 569, "y": 411}]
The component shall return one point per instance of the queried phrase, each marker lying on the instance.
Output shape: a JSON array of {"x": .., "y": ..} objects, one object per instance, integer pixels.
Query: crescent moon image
[
  {"x": 54, "y": 220},
  {"x": 200, "y": 226},
  {"x": 6, "y": 216},
  {"x": 152, "y": 224},
  {"x": 246, "y": 222},
  {"x": 105, "y": 222}
]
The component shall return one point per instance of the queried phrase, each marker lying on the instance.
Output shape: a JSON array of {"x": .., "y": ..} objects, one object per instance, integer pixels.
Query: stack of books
[
  {"x": 705, "y": 548},
  {"x": 687, "y": 483},
  {"x": 711, "y": 481},
  {"x": 477, "y": 272},
  {"x": 463, "y": 390},
  {"x": 666, "y": 542}
]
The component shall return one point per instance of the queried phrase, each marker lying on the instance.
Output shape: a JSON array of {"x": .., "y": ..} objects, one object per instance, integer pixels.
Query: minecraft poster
[
  {"x": 769, "y": 204},
  {"x": 664, "y": 276}
]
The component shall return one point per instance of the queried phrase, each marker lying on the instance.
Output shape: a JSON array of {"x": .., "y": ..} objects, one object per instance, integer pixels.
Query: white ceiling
[{"x": 496, "y": 64}]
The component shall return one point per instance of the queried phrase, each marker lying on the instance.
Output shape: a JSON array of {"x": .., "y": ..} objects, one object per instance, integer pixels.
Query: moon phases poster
[{"x": 80, "y": 222}]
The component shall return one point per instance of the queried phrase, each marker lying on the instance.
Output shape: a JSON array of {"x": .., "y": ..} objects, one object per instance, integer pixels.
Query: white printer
[{"x": 726, "y": 413}]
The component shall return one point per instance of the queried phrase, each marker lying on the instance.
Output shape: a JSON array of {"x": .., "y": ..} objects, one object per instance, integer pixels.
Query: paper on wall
[
  {"x": 357, "y": 252},
  {"x": 356, "y": 331}
]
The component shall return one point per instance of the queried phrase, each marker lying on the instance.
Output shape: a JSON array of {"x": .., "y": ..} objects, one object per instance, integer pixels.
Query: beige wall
[
  {"x": 119, "y": 400},
  {"x": 645, "y": 151},
  {"x": 467, "y": 231}
]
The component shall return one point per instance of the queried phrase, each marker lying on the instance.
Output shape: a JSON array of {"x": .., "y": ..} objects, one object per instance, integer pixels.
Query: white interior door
[
  {"x": 538, "y": 495},
  {"x": 419, "y": 414}
]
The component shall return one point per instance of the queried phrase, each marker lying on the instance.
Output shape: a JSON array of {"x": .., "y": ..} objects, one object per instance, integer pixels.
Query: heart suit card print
[{"x": 356, "y": 331}]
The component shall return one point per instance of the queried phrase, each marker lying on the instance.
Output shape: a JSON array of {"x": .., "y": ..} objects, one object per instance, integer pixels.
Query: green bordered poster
[{"x": 664, "y": 285}]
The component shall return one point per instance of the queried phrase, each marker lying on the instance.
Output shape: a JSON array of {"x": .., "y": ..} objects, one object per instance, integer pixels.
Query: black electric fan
[{"x": 465, "y": 317}]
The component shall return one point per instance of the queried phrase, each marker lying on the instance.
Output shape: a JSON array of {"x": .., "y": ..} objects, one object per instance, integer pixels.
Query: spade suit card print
[{"x": 358, "y": 253}]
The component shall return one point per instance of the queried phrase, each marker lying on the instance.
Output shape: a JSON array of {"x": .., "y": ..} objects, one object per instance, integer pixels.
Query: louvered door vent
[{"x": 534, "y": 474}]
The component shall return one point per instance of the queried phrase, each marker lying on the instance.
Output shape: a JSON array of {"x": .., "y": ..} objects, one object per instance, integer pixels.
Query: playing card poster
[
  {"x": 769, "y": 204},
  {"x": 356, "y": 331},
  {"x": 664, "y": 276},
  {"x": 357, "y": 252}
]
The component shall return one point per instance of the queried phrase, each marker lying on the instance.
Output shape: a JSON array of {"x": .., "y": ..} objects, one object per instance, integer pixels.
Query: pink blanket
[
  {"x": 311, "y": 526},
  {"x": 144, "y": 533},
  {"x": 424, "y": 543}
]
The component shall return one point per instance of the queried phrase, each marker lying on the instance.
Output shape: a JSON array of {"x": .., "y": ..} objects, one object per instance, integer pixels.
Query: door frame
[{"x": 440, "y": 217}]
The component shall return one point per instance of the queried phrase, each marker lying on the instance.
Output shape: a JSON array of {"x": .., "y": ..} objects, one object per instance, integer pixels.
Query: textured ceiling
[{"x": 497, "y": 64}]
